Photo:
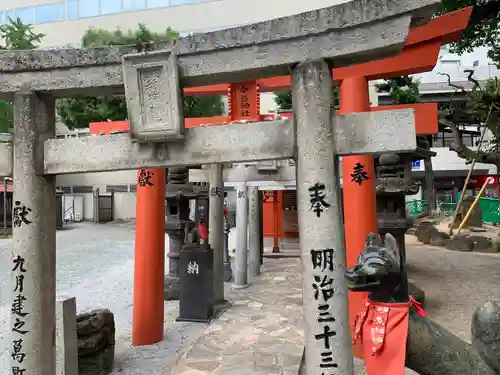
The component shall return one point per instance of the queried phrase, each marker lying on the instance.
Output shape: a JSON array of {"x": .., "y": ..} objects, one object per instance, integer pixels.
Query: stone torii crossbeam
[{"x": 309, "y": 43}]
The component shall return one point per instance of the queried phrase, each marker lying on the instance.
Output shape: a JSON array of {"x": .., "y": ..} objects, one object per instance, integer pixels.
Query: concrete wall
[
  {"x": 124, "y": 206},
  {"x": 98, "y": 180}
]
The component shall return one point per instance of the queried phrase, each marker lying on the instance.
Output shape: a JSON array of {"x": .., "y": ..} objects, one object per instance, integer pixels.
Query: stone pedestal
[
  {"x": 172, "y": 280},
  {"x": 177, "y": 223}
]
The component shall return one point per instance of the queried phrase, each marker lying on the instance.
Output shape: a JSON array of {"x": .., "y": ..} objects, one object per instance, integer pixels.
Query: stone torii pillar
[
  {"x": 216, "y": 228},
  {"x": 241, "y": 261},
  {"x": 320, "y": 224},
  {"x": 33, "y": 263},
  {"x": 254, "y": 230}
]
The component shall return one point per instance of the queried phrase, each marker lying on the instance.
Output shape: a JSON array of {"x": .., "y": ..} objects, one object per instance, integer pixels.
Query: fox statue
[{"x": 430, "y": 349}]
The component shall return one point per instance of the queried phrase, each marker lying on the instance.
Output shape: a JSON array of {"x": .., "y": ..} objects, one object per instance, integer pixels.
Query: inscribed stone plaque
[{"x": 154, "y": 100}]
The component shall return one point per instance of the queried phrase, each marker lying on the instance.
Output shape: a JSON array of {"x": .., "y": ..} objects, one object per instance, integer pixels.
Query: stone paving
[{"x": 259, "y": 334}]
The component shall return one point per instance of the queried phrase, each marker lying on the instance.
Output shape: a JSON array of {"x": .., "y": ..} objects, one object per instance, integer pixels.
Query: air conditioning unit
[{"x": 267, "y": 166}]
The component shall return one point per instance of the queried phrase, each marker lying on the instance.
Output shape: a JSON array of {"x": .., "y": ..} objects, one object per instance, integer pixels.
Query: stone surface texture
[
  {"x": 66, "y": 337},
  {"x": 34, "y": 238},
  {"x": 253, "y": 231},
  {"x": 320, "y": 222},
  {"x": 96, "y": 342},
  {"x": 359, "y": 133},
  {"x": 216, "y": 228},
  {"x": 241, "y": 261}
]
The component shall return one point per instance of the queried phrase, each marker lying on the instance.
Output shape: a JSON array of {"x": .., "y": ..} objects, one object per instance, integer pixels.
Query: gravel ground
[{"x": 95, "y": 265}]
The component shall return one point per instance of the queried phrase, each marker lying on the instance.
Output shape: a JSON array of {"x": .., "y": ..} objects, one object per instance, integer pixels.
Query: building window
[
  {"x": 72, "y": 10},
  {"x": 130, "y": 5},
  {"x": 183, "y": 2},
  {"x": 158, "y": 3},
  {"x": 88, "y": 8},
  {"x": 25, "y": 14},
  {"x": 111, "y": 6},
  {"x": 49, "y": 13}
]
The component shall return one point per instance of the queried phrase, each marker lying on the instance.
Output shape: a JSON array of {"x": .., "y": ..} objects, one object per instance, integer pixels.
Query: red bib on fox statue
[{"x": 381, "y": 330}]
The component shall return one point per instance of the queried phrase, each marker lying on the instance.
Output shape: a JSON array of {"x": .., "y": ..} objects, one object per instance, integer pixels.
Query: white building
[{"x": 64, "y": 22}]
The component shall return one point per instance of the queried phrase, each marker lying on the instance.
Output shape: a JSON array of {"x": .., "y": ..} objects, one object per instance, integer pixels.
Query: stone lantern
[
  {"x": 394, "y": 183},
  {"x": 179, "y": 193}
]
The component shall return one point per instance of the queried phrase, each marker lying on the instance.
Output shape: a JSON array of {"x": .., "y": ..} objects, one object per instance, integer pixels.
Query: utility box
[{"x": 196, "y": 297}]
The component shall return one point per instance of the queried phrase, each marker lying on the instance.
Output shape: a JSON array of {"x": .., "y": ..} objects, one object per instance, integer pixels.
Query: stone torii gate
[{"x": 309, "y": 43}]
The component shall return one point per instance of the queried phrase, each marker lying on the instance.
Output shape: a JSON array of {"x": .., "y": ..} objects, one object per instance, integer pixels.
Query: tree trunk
[{"x": 429, "y": 191}]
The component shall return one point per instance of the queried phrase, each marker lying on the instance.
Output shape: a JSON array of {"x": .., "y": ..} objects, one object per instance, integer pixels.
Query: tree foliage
[
  {"x": 78, "y": 112},
  {"x": 483, "y": 28},
  {"x": 16, "y": 36},
  {"x": 283, "y": 99}
]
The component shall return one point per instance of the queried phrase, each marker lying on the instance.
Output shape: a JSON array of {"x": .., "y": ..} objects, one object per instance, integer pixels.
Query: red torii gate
[{"x": 419, "y": 55}]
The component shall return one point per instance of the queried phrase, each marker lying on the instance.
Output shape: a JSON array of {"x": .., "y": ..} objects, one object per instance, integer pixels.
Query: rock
[
  {"x": 482, "y": 244},
  {"x": 485, "y": 326},
  {"x": 426, "y": 233},
  {"x": 477, "y": 230},
  {"x": 440, "y": 239},
  {"x": 96, "y": 342},
  {"x": 423, "y": 225},
  {"x": 416, "y": 293},
  {"x": 460, "y": 243}
]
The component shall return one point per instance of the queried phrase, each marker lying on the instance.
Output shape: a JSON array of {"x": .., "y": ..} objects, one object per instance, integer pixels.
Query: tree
[
  {"x": 78, "y": 112},
  {"x": 404, "y": 90},
  {"x": 15, "y": 35},
  {"x": 482, "y": 105},
  {"x": 283, "y": 99},
  {"x": 483, "y": 28}
]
